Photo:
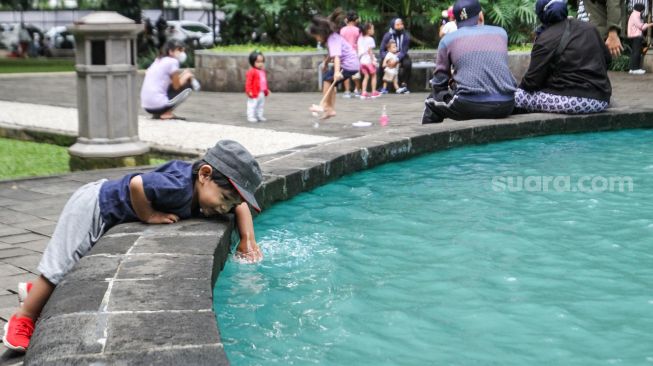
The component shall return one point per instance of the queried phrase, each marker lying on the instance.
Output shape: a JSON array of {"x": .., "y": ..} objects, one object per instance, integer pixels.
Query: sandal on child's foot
[{"x": 173, "y": 117}]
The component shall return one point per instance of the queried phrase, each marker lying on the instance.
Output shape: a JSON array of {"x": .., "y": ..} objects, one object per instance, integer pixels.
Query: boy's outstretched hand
[
  {"x": 162, "y": 218},
  {"x": 249, "y": 252}
]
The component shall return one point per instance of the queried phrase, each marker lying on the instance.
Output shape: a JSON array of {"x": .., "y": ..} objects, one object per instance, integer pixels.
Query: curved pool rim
[{"x": 286, "y": 174}]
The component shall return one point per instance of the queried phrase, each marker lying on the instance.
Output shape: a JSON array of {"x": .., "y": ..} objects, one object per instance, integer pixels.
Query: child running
[
  {"x": 351, "y": 33},
  {"x": 256, "y": 87},
  {"x": 345, "y": 59},
  {"x": 391, "y": 68},
  {"x": 224, "y": 180},
  {"x": 366, "y": 47}
]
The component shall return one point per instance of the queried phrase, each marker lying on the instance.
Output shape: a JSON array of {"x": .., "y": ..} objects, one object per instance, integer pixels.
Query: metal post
[{"x": 213, "y": 26}]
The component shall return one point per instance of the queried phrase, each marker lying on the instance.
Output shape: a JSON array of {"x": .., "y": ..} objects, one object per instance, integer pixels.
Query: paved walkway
[
  {"x": 30, "y": 208},
  {"x": 286, "y": 112},
  {"x": 176, "y": 135}
]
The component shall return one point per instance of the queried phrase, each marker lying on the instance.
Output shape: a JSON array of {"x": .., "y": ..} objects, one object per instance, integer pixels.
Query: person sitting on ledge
[
  {"x": 223, "y": 181},
  {"x": 568, "y": 72},
  {"x": 165, "y": 87},
  {"x": 481, "y": 84}
]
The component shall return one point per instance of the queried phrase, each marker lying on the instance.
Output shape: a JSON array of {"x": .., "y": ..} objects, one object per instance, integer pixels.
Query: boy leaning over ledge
[{"x": 224, "y": 180}]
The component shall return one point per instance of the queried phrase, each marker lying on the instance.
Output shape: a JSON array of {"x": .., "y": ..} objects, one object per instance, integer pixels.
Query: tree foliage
[
  {"x": 517, "y": 17},
  {"x": 129, "y": 8},
  {"x": 16, "y": 4},
  {"x": 284, "y": 21}
]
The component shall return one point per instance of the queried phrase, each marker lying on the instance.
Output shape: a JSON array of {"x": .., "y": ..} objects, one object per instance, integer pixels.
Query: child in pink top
[
  {"x": 344, "y": 58},
  {"x": 366, "y": 47},
  {"x": 351, "y": 33},
  {"x": 635, "y": 29},
  {"x": 256, "y": 87}
]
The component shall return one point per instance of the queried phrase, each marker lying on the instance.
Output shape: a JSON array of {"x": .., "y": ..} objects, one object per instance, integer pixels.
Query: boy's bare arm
[
  {"x": 248, "y": 249},
  {"x": 143, "y": 207}
]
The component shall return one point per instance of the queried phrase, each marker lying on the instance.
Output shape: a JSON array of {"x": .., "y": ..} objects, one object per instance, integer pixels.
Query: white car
[
  {"x": 191, "y": 4},
  {"x": 8, "y": 35},
  {"x": 67, "y": 4},
  {"x": 192, "y": 32}
]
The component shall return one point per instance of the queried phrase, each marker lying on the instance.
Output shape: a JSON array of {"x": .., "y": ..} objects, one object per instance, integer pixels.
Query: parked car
[
  {"x": 10, "y": 36},
  {"x": 190, "y": 4},
  {"x": 190, "y": 32},
  {"x": 7, "y": 35},
  {"x": 66, "y": 4},
  {"x": 59, "y": 42}
]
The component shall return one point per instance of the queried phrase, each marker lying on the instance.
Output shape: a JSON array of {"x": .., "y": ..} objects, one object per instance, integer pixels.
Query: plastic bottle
[{"x": 383, "y": 120}]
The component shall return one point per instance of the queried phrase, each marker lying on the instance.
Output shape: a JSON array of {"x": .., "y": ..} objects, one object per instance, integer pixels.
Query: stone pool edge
[{"x": 144, "y": 293}]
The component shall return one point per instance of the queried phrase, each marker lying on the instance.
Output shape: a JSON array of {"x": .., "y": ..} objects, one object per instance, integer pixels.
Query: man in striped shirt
[{"x": 471, "y": 78}]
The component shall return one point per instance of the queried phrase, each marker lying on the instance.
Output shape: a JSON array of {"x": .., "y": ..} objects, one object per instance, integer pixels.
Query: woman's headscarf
[
  {"x": 550, "y": 12},
  {"x": 393, "y": 23}
]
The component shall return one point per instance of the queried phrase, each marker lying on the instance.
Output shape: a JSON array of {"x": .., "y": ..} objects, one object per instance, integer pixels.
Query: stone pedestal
[
  {"x": 90, "y": 163},
  {"x": 105, "y": 61}
]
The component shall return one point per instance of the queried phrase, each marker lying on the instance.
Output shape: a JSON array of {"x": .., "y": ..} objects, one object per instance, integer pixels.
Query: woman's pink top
[
  {"x": 635, "y": 25},
  {"x": 351, "y": 33}
]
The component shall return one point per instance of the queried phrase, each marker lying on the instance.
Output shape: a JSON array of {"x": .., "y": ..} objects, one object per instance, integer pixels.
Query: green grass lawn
[
  {"x": 528, "y": 47},
  {"x": 26, "y": 159},
  {"x": 30, "y": 159},
  {"x": 16, "y": 65}
]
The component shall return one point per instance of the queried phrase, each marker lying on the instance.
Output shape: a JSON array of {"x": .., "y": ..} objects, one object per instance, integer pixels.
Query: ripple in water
[{"x": 422, "y": 262}]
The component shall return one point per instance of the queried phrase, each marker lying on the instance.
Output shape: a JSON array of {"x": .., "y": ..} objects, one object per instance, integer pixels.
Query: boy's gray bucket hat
[{"x": 239, "y": 166}]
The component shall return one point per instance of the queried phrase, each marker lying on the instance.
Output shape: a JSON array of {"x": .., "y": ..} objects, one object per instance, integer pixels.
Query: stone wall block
[{"x": 63, "y": 336}]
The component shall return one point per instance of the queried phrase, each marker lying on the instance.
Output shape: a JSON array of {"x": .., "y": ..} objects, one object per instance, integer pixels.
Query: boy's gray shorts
[{"x": 80, "y": 226}]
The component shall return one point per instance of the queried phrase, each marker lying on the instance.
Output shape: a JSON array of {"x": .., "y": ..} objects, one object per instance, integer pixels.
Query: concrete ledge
[
  {"x": 141, "y": 296},
  {"x": 294, "y": 72},
  {"x": 144, "y": 294},
  {"x": 297, "y": 72}
]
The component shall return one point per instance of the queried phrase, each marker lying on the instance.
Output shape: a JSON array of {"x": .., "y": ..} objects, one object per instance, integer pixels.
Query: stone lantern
[{"x": 105, "y": 61}]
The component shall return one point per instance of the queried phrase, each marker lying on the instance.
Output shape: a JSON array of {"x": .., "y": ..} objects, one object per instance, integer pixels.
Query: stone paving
[
  {"x": 289, "y": 122},
  {"x": 30, "y": 207},
  {"x": 286, "y": 112}
]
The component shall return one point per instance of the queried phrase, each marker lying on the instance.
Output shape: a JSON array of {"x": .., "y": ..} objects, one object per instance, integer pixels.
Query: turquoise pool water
[{"x": 435, "y": 261}]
